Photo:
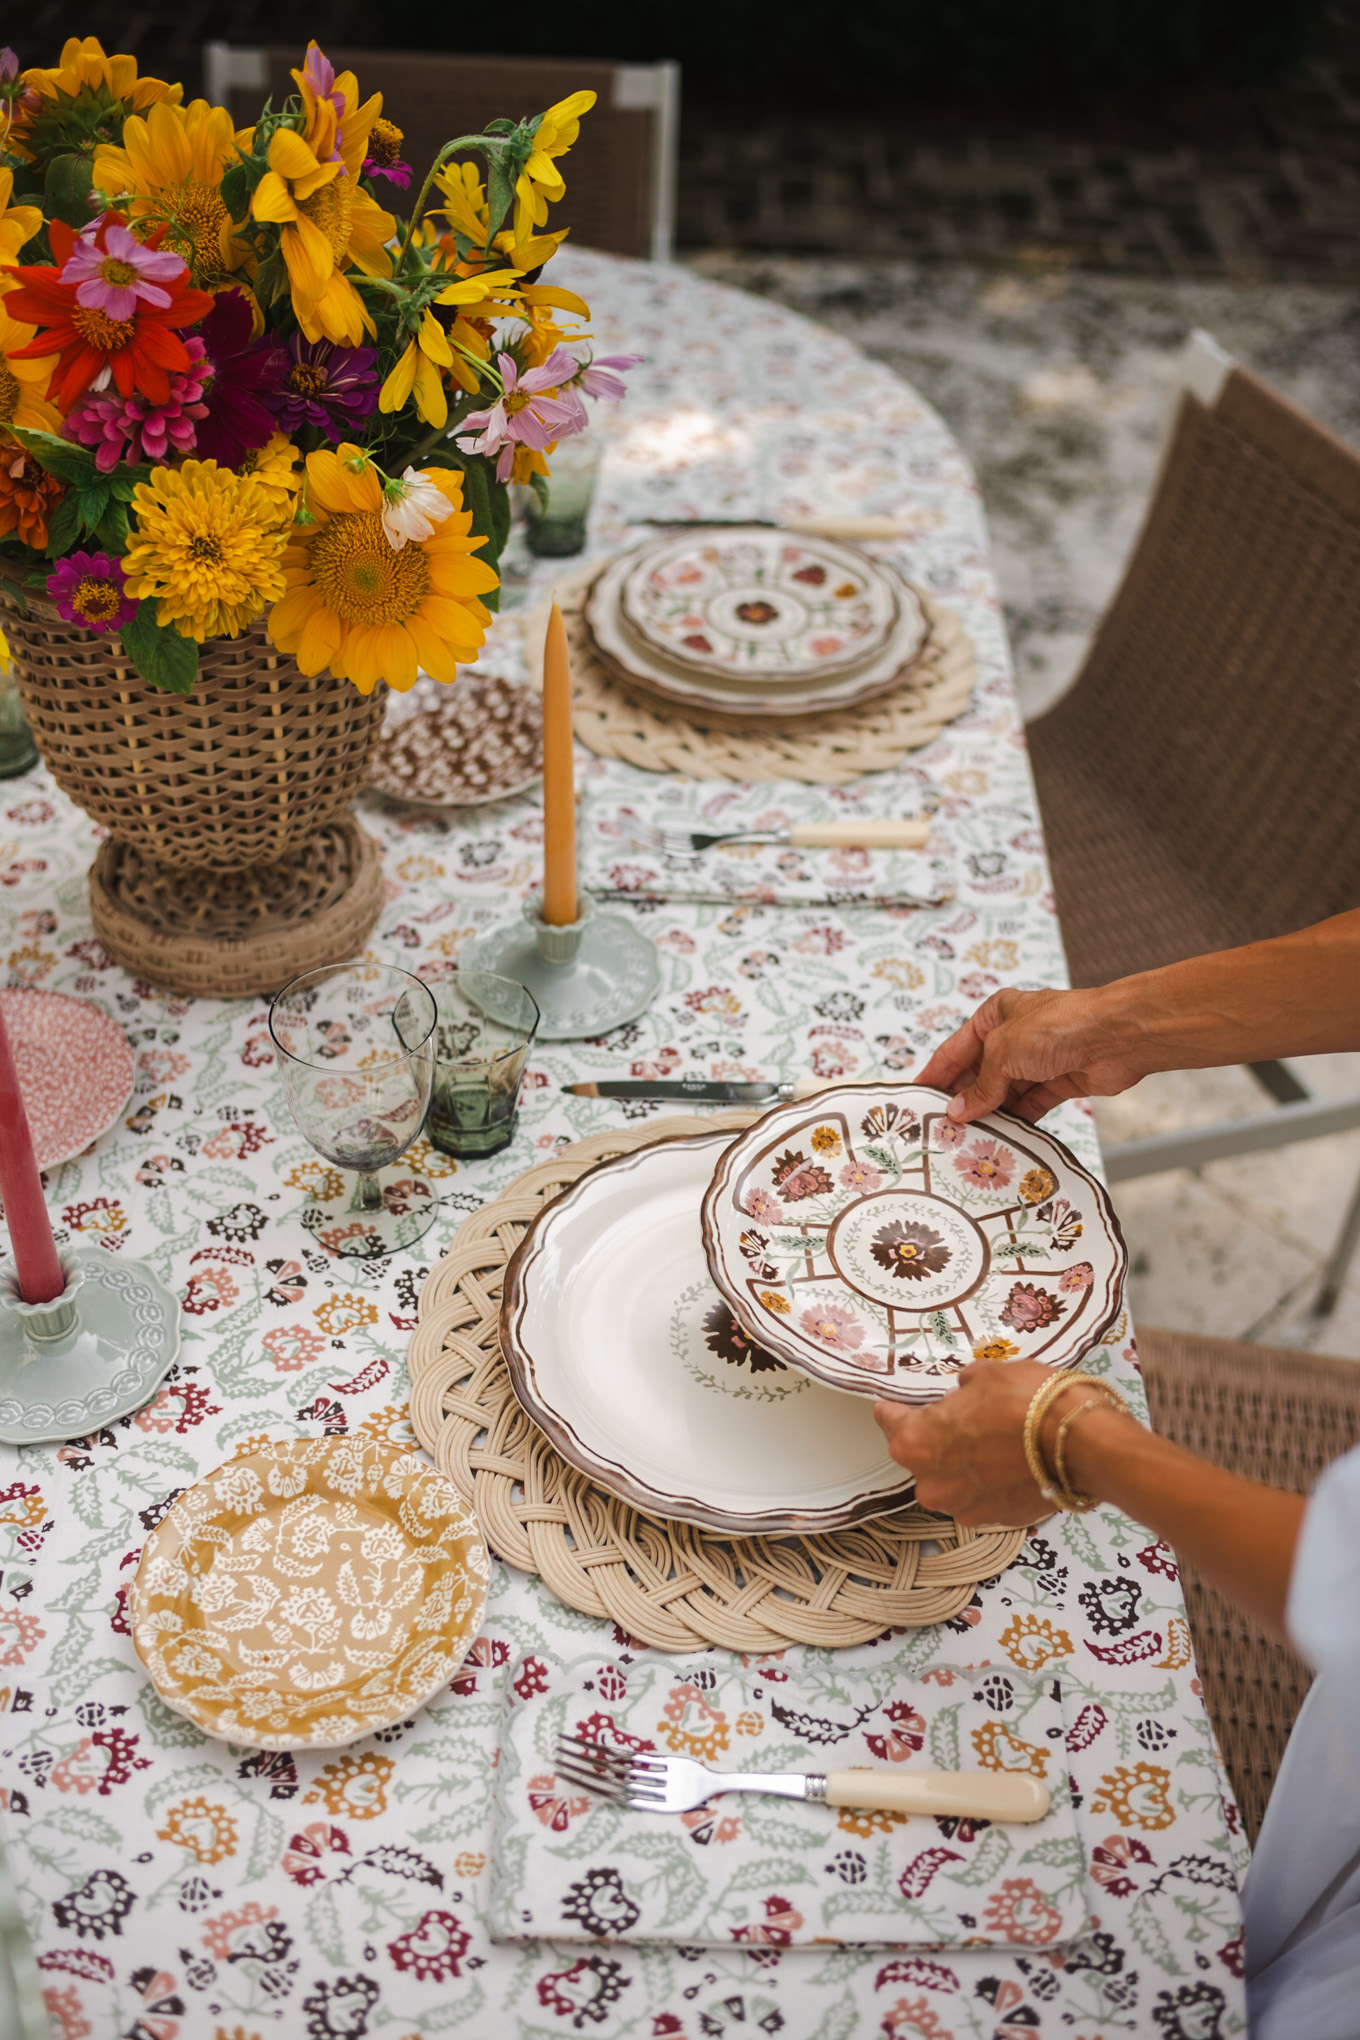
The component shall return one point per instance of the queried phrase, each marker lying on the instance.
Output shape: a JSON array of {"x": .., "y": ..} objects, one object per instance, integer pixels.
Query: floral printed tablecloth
[{"x": 177, "y": 1887}]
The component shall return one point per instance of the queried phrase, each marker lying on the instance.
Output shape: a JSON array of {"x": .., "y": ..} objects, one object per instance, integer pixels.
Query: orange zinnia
[
  {"x": 141, "y": 351},
  {"x": 28, "y": 496}
]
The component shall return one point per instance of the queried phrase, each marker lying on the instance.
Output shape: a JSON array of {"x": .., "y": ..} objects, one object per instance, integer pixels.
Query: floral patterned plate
[
  {"x": 75, "y": 1070},
  {"x": 755, "y": 691},
  {"x": 759, "y": 602},
  {"x": 622, "y": 1351},
  {"x": 867, "y": 1238},
  {"x": 309, "y": 1592}
]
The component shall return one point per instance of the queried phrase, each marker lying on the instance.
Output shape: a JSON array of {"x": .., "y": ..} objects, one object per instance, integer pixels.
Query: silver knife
[{"x": 697, "y": 1090}]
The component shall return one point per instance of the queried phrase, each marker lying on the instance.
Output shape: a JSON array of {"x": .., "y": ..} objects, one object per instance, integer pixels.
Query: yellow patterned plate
[{"x": 309, "y": 1593}]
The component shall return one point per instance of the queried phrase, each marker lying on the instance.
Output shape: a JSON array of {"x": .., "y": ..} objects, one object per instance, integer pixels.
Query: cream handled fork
[
  {"x": 652, "y": 1783},
  {"x": 908, "y": 834}
]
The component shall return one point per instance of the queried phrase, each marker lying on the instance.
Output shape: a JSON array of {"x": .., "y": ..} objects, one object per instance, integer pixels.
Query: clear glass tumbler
[
  {"x": 356, "y": 1049},
  {"x": 483, "y": 1036}
]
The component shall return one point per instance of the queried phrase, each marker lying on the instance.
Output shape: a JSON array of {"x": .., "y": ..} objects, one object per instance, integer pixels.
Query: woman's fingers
[{"x": 953, "y": 1060}]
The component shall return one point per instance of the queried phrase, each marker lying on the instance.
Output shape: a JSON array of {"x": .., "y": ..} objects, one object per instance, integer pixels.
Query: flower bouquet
[
  {"x": 235, "y": 386},
  {"x": 257, "y": 438}
]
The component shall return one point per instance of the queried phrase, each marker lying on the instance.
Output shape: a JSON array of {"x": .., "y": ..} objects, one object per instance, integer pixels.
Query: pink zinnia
[
  {"x": 88, "y": 589},
  {"x": 133, "y": 428},
  {"x": 113, "y": 270},
  {"x": 523, "y": 415}
]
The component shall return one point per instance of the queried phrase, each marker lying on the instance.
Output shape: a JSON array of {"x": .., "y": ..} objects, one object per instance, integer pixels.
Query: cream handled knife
[{"x": 697, "y": 1090}]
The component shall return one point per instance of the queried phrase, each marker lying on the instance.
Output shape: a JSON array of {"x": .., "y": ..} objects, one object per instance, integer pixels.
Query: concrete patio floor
[{"x": 1058, "y": 385}]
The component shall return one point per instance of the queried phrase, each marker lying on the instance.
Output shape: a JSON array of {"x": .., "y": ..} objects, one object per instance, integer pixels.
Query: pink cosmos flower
[
  {"x": 113, "y": 270},
  {"x": 133, "y": 428},
  {"x": 319, "y": 72},
  {"x": 523, "y": 415},
  {"x": 595, "y": 379}
]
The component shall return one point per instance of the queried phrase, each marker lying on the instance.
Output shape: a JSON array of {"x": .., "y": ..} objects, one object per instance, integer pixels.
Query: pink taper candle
[{"x": 30, "y": 1229}]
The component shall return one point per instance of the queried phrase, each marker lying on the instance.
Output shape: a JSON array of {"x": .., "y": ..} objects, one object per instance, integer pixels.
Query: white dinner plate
[
  {"x": 867, "y": 1237},
  {"x": 622, "y": 1351}
]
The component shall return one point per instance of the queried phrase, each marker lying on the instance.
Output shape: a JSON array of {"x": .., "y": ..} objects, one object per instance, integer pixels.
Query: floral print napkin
[{"x": 747, "y": 1869}]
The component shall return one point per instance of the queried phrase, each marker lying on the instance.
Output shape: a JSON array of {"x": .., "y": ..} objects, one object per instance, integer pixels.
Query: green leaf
[
  {"x": 162, "y": 657},
  {"x": 69, "y": 463},
  {"x": 500, "y": 191},
  {"x": 66, "y": 525},
  {"x": 235, "y": 189},
  {"x": 112, "y": 530},
  {"x": 67, "y": 187}
]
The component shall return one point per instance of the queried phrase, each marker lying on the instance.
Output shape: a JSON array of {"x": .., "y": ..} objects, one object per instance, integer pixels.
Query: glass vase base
[
  {"x": 88, "y": 1359},
  {"x": 410, "y": 1206}
]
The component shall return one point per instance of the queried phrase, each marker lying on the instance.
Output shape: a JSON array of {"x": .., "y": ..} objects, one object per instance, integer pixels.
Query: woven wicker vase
[{"x": 234, "y": 860}]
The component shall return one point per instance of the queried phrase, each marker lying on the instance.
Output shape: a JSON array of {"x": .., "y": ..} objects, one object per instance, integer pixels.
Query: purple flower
[
  {"x": 88, "y": 589},
  {"x": 319, "y": 72},
  {"x": 333, "y": 387},
  {"x": 594, "y": 377},
  {"x": 243, "y": 379},
  {"x": 9, "y": 65},
  {"x": 112, "y": 271},
  {"x": 133, "y": 428}
]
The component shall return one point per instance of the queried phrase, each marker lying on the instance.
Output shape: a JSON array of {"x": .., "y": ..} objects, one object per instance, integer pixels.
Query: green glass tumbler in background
[
  {"x": 17, "y": 748},
  {"x": 483, "y": 1034},
  {"x": 561, "y": 527}
]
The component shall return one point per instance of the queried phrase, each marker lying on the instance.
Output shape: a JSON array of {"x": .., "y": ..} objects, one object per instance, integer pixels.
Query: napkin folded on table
[{"x": 568, "y": 1866}]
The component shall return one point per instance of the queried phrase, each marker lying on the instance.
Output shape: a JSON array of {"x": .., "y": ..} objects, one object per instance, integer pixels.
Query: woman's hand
[
  {"x": 1027, "y": 1051},
  {"x": 967, "y": 1450}
]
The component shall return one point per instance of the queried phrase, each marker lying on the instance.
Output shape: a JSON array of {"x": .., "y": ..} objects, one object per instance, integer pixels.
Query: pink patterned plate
[
  {"x": 866, "y": 1238},
  {"x": 75, "y": 1070}
]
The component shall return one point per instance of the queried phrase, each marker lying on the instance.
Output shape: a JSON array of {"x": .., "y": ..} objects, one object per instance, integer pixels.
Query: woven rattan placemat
[
  {"x": 667, "y": 1584},
  {"x": 616, "y": 721}
]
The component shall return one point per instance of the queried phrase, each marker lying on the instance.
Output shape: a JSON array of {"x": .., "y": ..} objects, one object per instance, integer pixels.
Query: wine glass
[{"x": 356, "y": 1048}]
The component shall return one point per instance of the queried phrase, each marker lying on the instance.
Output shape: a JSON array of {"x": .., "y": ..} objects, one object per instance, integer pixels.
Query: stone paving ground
[{"x": 1058, "y": 385}]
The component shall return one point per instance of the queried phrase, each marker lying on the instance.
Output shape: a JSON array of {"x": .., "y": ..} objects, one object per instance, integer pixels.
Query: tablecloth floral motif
[
  {"x": 192, "y": 1889},
  {"x": 771, "y": 1872}
]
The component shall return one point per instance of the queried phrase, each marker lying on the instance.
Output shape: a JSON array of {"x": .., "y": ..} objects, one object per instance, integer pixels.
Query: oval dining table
[{"x": 181, "y": 1887}]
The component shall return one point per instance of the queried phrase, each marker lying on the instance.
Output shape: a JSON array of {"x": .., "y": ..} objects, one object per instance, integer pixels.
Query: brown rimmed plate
[
  {"x": 622, "y": 1351},
  {"x": 868, "y": 1240}
]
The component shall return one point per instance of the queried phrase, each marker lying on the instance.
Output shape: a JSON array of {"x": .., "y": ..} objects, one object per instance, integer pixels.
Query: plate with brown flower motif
[
  {"x": 623, "y": 1352},
  {"x": 869, "y": 1239},
  {"x": 309, "y": 1592}
]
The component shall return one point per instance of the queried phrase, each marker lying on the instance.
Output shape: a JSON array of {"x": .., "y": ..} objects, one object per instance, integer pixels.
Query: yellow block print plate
[{"x": 309, "y": 1593}]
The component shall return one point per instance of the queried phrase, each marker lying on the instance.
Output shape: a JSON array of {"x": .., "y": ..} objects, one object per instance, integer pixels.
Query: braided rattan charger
[
  {"x": 617, "y": 721},
  {"x": 668, "y": 1584}
]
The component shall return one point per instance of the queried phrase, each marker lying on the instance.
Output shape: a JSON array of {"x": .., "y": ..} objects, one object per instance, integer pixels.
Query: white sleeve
[{"x": 1323, "y": 1611}]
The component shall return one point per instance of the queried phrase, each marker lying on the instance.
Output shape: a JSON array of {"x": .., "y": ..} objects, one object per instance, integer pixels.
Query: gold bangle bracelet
[{"x": 1055, "y": 1488}]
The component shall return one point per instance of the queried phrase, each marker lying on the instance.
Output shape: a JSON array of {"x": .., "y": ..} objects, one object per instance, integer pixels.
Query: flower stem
[{"x": 486, "y": 143}]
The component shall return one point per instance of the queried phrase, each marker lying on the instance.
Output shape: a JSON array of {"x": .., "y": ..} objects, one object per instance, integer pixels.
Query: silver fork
[
  {"x": 910, "y": 834},
  {"x": 649, "y": 1782}
]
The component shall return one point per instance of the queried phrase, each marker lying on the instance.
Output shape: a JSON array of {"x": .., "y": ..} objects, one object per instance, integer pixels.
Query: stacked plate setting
[
  {"x": 701, "y": 1326},
  {"x": 755, "y": 622}
]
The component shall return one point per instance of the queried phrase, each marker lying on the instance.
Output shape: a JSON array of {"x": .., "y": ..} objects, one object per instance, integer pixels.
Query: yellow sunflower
[
  {"x": 171, "y": 163},
  {"x": 18, "y": 223},
  {"x": 208, "y": 546},
  {"x": 87, "y": 75},
  {"x": 23, "y": 384},
  {"x": 365, "y": 610},
  {"x": 540, "y": 181},
  {"x": 329, "y": 223}
]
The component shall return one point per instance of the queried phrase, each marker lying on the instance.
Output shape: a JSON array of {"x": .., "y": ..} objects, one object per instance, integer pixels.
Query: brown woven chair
[
  {"x": 1198, "y": 780},
  {"x": 621, "y": 172},
  {"x": 1277, "y": 1416}
]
